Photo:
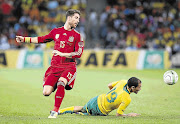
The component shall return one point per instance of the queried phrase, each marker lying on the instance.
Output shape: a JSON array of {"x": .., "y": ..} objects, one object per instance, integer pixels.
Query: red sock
[{"x": 59, "y": 97}]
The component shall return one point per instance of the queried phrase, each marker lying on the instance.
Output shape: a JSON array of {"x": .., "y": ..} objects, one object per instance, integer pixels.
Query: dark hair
[
  {"x": 133, "y": 81},
  {"x": 71, "y": 12}
]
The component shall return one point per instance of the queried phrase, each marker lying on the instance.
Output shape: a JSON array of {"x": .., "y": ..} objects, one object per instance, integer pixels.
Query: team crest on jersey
[
  {"x": 71, "y": 39},
  {"x": 57, "y": 36}
]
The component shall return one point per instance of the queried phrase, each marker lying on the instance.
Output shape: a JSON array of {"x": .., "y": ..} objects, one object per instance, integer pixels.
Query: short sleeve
[{"x": 114, "y": 83}]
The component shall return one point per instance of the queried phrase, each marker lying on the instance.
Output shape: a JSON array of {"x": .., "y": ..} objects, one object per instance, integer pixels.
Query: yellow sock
[{"x": 67, "y": 110}]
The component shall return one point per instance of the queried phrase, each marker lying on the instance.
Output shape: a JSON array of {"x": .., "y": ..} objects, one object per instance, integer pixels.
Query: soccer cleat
[{"x": 53, "y": 114}]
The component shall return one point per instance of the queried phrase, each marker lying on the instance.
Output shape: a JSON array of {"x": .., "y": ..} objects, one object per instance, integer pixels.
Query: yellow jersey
[{"x": 117, "y": 98}]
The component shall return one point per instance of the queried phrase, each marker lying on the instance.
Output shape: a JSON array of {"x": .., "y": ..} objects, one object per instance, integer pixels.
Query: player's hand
[
  {"x": 19, "y": 39},
  {"x": 56, "y": 53},
  {"x": 133, "y": 114}
]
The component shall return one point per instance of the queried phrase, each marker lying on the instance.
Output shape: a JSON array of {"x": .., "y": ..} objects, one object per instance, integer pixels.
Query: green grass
[{"x": 22, "y": 102}]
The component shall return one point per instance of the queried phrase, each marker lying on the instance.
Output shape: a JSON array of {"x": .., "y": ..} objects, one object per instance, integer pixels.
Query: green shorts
[{"x": 92, "y": 107}]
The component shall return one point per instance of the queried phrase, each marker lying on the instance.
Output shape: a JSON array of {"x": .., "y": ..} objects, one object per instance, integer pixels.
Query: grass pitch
[{"x": 22, "y": 102}]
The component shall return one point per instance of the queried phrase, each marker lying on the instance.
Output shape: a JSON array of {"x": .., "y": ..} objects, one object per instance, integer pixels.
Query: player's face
[
  {"x": 74, "y": 20},
  {"x": 138, "y": 88}
]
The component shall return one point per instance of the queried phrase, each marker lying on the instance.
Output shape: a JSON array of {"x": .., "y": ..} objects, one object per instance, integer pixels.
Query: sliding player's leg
[
  {"x": 72, "y": 109},
  {"x": 88, "y": 109}
]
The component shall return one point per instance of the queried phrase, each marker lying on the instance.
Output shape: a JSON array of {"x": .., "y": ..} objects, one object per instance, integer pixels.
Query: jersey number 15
[{"x": 62, "y": 44}]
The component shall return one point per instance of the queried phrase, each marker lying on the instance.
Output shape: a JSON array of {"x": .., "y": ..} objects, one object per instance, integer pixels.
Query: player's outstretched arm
[
  {"x": 21, "y": 39},
  {"x": 129, "y": 115}
]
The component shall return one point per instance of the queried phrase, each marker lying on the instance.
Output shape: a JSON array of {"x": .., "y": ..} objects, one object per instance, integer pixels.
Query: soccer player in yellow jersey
[{"x": 117, "y": 98}]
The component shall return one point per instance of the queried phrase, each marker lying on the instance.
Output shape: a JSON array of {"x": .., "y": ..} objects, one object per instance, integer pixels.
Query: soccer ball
[{"x": 170, "y": 77}]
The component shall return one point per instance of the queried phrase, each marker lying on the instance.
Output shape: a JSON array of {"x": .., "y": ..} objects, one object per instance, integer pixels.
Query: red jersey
[{"x": 65, "y": 42}]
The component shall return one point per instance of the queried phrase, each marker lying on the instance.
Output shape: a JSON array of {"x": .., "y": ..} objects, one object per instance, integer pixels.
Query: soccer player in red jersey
[{"x": 68, "y": 46}]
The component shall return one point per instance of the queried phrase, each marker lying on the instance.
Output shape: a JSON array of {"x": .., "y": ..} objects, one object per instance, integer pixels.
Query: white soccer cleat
[{"x": 53, "y": 114}]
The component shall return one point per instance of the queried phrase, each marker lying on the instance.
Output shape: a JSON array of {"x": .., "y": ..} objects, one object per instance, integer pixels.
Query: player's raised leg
[{"x": 50, "y": 81}]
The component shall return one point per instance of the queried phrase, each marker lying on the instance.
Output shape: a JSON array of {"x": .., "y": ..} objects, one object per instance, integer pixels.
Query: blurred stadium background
[{"x": 128, "y": 25}]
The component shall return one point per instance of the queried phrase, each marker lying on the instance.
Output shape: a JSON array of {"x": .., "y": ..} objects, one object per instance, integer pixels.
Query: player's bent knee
[
  {"x": 46, "y": 93},
  {"x": 47, "y": 90}
]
